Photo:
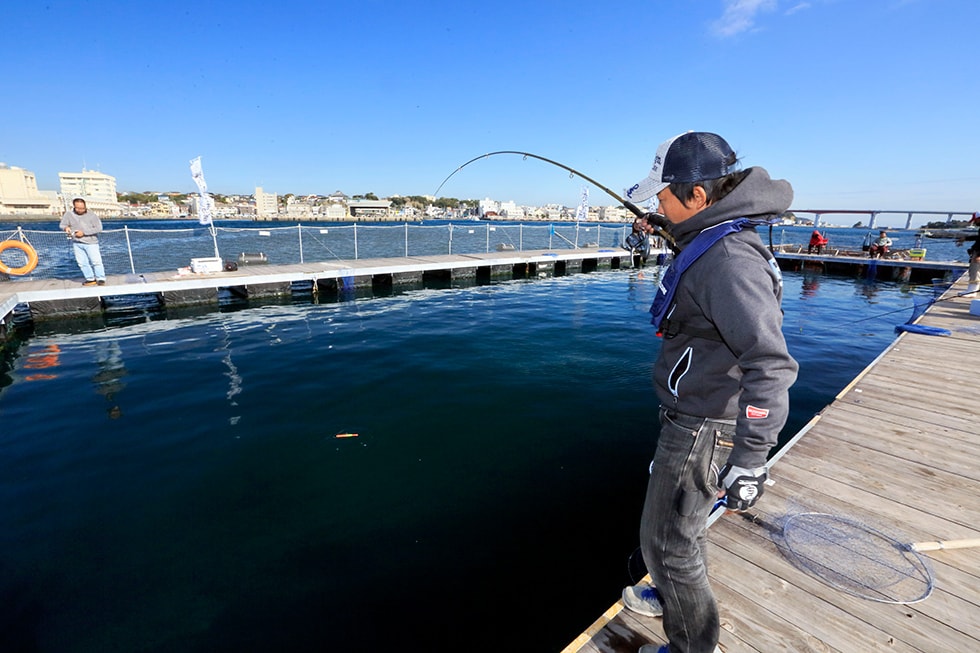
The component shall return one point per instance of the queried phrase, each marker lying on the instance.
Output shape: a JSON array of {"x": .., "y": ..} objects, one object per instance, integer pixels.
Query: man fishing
[
  {"x": 83, "y": 228},
  {"x": 722, "y": 376}
]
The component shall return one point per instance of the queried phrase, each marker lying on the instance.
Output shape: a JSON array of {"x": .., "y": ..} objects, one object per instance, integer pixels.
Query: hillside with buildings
[{"x": 20, "y": 196}]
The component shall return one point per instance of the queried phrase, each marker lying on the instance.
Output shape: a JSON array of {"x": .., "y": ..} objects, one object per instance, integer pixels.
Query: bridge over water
[{"x": 874, "y": 213}]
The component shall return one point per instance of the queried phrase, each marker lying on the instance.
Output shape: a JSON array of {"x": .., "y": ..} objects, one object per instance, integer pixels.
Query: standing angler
[
  {"x": 83, "y": 228},
  {"x": 722, "y": 377}
]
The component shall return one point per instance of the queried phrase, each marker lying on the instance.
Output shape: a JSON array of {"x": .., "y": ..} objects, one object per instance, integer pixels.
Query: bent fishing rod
[{"x": 657, "y": 221}]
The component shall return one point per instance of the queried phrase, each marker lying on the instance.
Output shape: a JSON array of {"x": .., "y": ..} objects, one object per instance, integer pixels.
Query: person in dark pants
[{"x": 722, "y": 377}]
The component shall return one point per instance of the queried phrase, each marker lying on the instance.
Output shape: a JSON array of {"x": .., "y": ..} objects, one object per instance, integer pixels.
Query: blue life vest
[{"x": 687, "y": 256}]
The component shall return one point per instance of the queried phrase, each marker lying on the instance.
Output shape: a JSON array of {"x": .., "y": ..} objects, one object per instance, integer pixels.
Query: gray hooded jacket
[{"x": 735, "y": 289}]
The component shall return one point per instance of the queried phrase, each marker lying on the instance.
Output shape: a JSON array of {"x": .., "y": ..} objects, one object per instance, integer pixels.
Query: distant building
[
  {"x": 369, "y": 209},
  {"x": 298, "y": 207},
  {"x": 554, "y": 212},
  {"x": 266, "y": 204},
  {"x": 96, "y": 188},
  {"x": 164, "y": 207},
  {"x": 614, "y": 214},
  {"x": 511, "y": 211},
  {"x": 489, "y": 208},
  {"x": 19, "y": 194}
]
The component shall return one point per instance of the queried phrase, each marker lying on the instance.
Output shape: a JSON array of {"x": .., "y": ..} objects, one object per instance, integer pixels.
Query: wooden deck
[{"x": 898, "y": 450}]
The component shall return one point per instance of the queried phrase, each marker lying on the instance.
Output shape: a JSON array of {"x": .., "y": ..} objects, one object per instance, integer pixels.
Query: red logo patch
[{"x": 756, "y": 413}]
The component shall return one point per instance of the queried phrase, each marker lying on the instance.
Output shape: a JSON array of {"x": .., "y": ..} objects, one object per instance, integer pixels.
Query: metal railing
[{"x": 139, "y": 251}]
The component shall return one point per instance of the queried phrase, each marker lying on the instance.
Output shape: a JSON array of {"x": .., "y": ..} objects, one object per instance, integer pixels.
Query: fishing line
[
  {"x": 637, "y": 211},
  {"x": 636, "y": 571},
  {"x": 921, "y": 302},
  {"x": 916, "y": 307}
]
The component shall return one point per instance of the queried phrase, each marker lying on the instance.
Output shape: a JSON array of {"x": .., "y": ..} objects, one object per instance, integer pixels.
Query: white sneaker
[{"x": 643, "y": 599}]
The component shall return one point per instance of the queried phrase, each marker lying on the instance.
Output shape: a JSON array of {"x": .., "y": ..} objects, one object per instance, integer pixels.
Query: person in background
[
  {"x": 638, "y": 242},
  {"x": 83, "y": 228},
  {"x": 722, "y": 376},
  {"x": 817, "y": 241},
  {"x": 973, "y": 283},
  {"x": 881, "y": 245}
]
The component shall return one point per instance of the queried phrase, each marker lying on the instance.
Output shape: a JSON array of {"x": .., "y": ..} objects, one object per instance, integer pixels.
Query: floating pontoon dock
[
  {"x": 886, "y": 269},
  {"x": 46, "y": 297},
  {"x": 898, "y": 451}
]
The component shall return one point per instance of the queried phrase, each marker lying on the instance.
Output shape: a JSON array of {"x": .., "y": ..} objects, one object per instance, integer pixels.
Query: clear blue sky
[{"x": 858, "y": 103}]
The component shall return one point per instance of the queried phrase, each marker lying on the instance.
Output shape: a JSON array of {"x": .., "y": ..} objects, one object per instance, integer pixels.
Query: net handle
[{"x": 941, "y": 545}]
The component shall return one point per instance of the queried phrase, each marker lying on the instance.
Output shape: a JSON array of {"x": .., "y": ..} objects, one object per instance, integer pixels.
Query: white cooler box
[{"x": 204, "y": 265}]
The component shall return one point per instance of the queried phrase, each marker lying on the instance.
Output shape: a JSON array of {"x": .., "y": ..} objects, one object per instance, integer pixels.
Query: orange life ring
[{"x": 28, "y": 252}]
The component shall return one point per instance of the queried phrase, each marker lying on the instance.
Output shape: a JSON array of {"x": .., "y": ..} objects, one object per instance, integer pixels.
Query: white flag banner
[
  {"x": 204, "y": 203},
  {"x": 582, "y": 215}
]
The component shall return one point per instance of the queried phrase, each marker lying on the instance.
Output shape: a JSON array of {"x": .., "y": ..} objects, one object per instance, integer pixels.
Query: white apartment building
[
  {"x": 96, "y": 188},
  {"x": 554, "y": 212},
  {"x": 299, "y": 207},
  {"x": 511, "y": 211},
  {"x": 614, "y": 214},
  {"x": 19, "y": 194},
  {"x": 266, "y": 204},
  {"x": 489, "y": 206}
]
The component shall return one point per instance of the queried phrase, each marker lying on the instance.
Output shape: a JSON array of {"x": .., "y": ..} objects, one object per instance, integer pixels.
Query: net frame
[{"x": 855, "y": 558}]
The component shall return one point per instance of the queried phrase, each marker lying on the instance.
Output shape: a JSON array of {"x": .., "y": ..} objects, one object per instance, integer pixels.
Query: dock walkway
[{"x": 897, "y": 451}]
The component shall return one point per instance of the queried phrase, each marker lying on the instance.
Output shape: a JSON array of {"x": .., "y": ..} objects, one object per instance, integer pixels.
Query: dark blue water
[{"x": 177, "y": 485}]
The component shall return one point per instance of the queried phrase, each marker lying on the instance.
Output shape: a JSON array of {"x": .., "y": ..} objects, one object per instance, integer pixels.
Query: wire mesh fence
[{"x": 140, "y": 251}]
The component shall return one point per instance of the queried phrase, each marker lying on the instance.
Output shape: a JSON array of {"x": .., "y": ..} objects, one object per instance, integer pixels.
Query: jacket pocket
[{"x": 681, "y": 367}]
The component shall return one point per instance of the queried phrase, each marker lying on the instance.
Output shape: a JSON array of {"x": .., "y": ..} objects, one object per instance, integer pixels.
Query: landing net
[{"x": 855, "y": 558}]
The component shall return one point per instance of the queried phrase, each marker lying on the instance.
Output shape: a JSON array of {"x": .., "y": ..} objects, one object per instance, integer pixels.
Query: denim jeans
[
  {"x": 89, "y": 259},
  {"x": 673, "y": 530}
]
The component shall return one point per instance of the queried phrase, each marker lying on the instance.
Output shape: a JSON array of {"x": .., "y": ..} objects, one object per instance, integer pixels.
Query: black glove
[{"x": 743, "y": 487}]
